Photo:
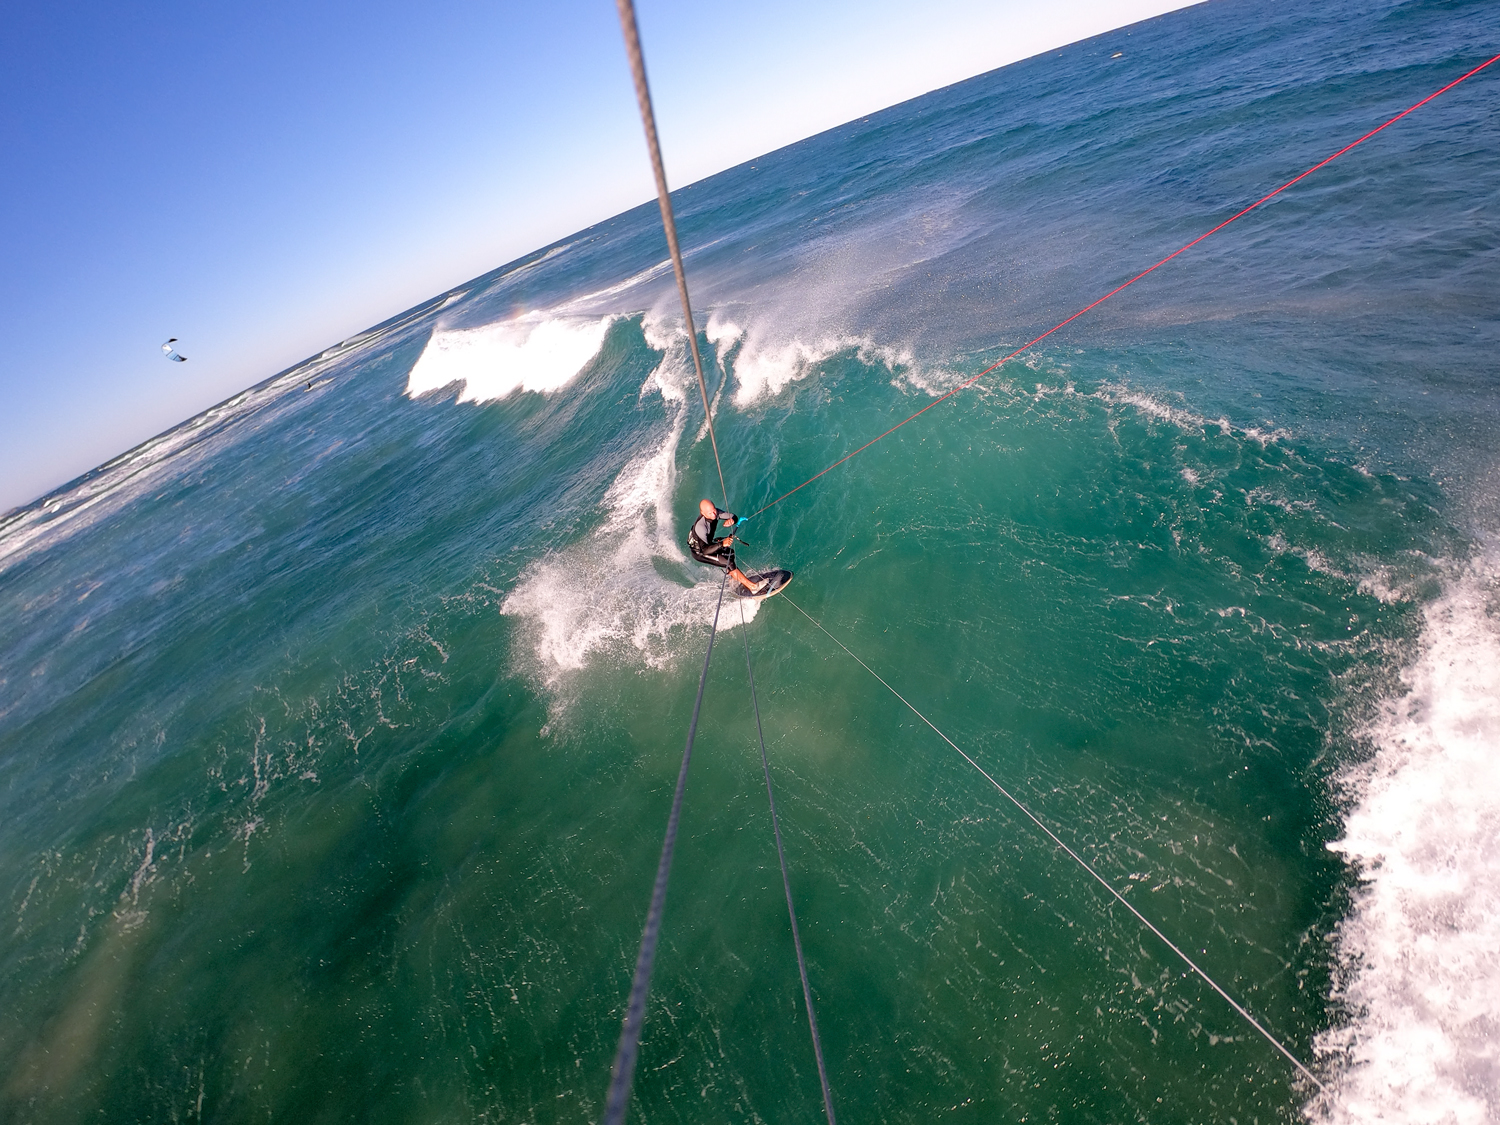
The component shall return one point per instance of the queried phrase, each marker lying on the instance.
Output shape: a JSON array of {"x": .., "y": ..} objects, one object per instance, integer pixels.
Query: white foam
[
  {"x": 933, "y": 381},
  {"x": 764, "y": 368},
  {"x": 722, "y": 333},
  {"x": 1118, "y": 394},
  {"x": 1422, "y": 942},
  {"x": 606, "y": 595},
  {"x": 663, "y": 334},
  {"x": 1383, "y": 583},
  {"x": 1183, "y": 419},
  {"x": 536, "y": 352}
]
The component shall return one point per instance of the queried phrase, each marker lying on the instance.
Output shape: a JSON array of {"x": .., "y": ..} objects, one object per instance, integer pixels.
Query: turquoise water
[{"x": 338, "y": 726}]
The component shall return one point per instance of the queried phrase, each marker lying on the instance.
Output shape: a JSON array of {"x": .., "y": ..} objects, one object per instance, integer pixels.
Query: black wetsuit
[{"x": 706, "y": 549}]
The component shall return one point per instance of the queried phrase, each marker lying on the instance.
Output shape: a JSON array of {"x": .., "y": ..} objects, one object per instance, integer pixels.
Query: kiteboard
[{"x": 780, "y": 579}]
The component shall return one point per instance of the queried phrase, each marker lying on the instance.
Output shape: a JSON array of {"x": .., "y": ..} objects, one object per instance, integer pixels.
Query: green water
[
  {"x": 394, "y": 873},
  {"x": 338, "y": 728}
]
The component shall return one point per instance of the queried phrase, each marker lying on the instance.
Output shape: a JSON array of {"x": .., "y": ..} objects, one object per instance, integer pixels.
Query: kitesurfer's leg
[
  {"x": 724, "y": 559},
  {"x": 753, "y": 587},
  {"x": 714, "y": 558}
]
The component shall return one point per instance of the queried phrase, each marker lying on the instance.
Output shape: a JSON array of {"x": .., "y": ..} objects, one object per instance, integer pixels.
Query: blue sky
[{"x": 264, "y": 180}]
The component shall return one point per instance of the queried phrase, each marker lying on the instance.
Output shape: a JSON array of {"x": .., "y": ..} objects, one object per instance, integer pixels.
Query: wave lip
[
  {"x": 764, "y": 368},
  {"x": 1423, "y": 985},
  {"x": 536, "y": 352}
]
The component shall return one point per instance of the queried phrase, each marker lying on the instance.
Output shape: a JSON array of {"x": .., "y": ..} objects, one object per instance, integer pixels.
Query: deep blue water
[{"x": 338, "y": 726}]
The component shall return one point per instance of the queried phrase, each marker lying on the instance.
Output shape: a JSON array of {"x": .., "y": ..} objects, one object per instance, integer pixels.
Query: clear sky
[{"x": 263, "y": 180}]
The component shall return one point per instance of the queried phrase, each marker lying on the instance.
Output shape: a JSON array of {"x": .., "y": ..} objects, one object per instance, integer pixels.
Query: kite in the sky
[{"x": 166, "y": 350}]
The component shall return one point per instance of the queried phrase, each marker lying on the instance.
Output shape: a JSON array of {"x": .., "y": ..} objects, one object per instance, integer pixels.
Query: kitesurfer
[{"x": 718, "y": 552}]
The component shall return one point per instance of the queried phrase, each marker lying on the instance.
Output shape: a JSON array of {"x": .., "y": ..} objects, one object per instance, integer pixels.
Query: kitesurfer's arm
[{"x": 730, "y": 520}]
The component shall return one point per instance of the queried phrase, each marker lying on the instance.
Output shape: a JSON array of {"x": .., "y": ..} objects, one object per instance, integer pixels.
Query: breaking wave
[
  {"x": 764, "y": 367},
  {"x": 628, "y": 589},
  {"x": 1419, "y": 947},
  {"x": 537, "y": 352}
]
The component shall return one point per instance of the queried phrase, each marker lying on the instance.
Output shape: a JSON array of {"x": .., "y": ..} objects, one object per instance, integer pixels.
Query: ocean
[{"x": 339, "y": 725}]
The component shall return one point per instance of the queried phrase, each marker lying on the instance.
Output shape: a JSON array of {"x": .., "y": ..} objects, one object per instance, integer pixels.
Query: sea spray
[
  {"x": 627, "y": 589},
  {"x": 1423, "y": 989}
]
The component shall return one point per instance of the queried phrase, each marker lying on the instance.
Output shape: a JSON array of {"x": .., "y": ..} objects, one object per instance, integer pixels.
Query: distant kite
[{"x": 166, "y": 350}]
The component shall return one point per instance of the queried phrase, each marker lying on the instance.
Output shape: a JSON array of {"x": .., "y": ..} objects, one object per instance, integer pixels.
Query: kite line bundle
[{"x": 635, "y": 1012}]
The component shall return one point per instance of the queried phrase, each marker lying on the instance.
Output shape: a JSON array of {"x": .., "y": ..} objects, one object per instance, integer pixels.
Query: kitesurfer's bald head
[{"x": 707, "y": 510}]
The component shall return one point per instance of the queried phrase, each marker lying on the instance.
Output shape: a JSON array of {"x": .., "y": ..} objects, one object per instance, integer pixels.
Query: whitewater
[{"x": 338, "y": 725}]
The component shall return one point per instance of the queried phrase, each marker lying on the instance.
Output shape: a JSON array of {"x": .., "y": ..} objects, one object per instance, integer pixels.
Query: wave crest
[{"x": 536, "y": 352}]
